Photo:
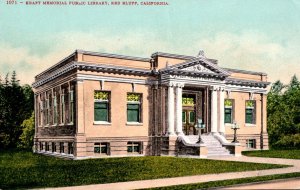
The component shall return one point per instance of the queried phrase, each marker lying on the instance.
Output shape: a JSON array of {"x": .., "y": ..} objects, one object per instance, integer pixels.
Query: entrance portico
[{"x": 190, "y": 103}]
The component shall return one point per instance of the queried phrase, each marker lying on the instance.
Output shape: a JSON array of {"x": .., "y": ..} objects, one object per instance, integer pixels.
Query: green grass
[
  {"x": 224, "y": 183},
  {"x": 290, "y": 154},
  {"x": 26, "y": 170}
]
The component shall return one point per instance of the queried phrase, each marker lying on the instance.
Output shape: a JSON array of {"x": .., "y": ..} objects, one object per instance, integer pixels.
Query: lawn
[
  {"x": 290, "y": 154},
  {"x": 26, "y": 170}
]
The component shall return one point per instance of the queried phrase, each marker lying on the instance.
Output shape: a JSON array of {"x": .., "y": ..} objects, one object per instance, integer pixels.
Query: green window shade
[
  {"x": 183, "y": 117},
  {"x": 228, "y": 115},
  {"x": 192, "y": 117},
  {"x": 249, "y": 115},
  {"x": 101, "y": 111},
  {"x": 133, "y": 112}
]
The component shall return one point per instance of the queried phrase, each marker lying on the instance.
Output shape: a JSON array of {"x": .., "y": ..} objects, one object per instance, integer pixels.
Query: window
[
  {"x": 192, "y": 117},
  {"x": 54, "y": 110},
  {"x": 41, "y": 146},
  {"x": 53, "y": 147},
  {"x": 71, "y": 102},
  {"x": 70, "y": 148},
  {"x": 134, "y": 107},
  {"x": 250, "y": 112},
  {"x": 101, "y": 148},
  {"x": 228, "y": 111},
  {"x": 47, "y": 112},
  {"x": 61, "y": 147},
  {"x": 134, "y": 147},
  {"x": 47, "y": 146},
  {"x": 62, "y": 107},
  {"x": 251, "y": 143},
  {"x": 101, "y": 106},
  {"x": 183, "y": 117}
]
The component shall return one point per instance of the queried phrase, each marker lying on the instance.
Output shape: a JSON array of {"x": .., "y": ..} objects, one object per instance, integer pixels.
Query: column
[
  {"x": 221, "y": 106},
  {"x": 214, "y": 110},
  {"x": 179, "y": 109},
  {"x": 171, "y": 109}
]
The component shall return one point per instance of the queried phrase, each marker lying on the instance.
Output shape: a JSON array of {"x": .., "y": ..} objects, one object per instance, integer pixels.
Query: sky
[{"x": 256, "y": 35}]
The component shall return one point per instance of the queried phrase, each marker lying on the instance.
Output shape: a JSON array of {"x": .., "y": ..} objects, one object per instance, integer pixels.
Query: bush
[{"x": 288, "y": 142}]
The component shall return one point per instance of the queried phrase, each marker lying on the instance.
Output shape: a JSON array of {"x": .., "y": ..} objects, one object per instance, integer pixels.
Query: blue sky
[{"x": 254, "y": 35}]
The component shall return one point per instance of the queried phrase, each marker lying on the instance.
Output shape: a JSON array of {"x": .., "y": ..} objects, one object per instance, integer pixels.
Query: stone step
[{"x": 214, "y": 147}]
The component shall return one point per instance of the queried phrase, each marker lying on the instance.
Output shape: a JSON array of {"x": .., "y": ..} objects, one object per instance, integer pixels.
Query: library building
[{"x": 92, "y": 104}]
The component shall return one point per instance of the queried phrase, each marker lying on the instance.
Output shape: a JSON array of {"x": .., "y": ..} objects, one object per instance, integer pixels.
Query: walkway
[
  {"x": 293, "y": 183},
  {"x": 200, "y": 178}
]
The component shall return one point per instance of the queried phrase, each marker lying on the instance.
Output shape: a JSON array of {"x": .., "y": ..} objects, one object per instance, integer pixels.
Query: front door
[{"x": 188, "y": 121}]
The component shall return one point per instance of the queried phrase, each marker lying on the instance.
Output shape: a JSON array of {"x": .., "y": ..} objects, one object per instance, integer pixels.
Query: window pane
[
  {"x": 104, "y": 149},
  {"x": 136, "y": 148},
  {"x": 133, "y": 113},
  {"x": 97, "y": 149},
  {"x": 192, "y": 117},
  {"x": 228, "y": 116},
  {"x": 129, "y": 148},
  {"x": 133, "y": 106},
  {"x": 249, "y": 115},
  {"x": 183, "y": 117},
  {"x": 101, "y": 111}
]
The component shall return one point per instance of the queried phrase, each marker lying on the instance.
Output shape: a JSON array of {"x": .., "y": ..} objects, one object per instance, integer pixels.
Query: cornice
[
  {"x": 170, "y": 55},
  {"x": 113, "y": 69},
  {"x": 250, "y": 83},
  {"x": 114, "y": 56},
  {"x": 245, "y": 71},
  {"x": 93, "y": 67}
]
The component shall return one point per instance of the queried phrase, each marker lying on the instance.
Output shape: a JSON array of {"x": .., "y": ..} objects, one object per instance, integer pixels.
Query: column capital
[
  {"x": 171, "y": 84},
  {"x": 214, "y": 88},
  {"x": 180, "y": 84},
  {"x": 222, "y": 88}
]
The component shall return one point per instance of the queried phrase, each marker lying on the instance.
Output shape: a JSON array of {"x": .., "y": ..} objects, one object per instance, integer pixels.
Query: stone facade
[{"x": 104, "y": 105}]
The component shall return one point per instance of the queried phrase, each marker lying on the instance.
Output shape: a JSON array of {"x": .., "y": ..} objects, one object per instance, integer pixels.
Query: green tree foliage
[
  {"x": 26, "y": 138},
  {"x": 284, "y": 114},
  {"x": 16, "y": 105}
]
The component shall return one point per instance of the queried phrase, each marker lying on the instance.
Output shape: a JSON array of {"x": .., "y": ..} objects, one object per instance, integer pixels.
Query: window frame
[
  {"x": 61, "y": 147},
  {"x": 100, "y": 145},
  {"x": 231, "y": 108},
  {"x": 253, "y": 143},
  {"x": 107, "y": 102},
  {"x": 253, "y": 112},
  {"x": 139, "y": 104},
  {"x": 53, "y": 147},
  {"x": 132, "y": 145}
]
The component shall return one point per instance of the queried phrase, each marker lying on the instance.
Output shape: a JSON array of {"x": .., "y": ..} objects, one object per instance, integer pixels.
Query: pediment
[{"x": 198, "y": 68}]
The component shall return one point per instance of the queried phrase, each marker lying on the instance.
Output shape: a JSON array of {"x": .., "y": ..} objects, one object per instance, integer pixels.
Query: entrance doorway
[{"x": 189, "y": 114}]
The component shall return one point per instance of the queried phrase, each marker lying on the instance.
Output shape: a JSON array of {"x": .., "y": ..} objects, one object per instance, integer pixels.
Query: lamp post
[
  {"x": 235, "y": 127},
  {"x": 200, "y": 126}
]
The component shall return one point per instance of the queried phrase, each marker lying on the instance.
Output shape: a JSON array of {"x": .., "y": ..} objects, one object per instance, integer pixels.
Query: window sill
[
  {"x": 70, "y": 123},
  {"x": 134, "y": 124},
  {"x": 101, "y": 123},
  {"x": 250, "y": 125}
]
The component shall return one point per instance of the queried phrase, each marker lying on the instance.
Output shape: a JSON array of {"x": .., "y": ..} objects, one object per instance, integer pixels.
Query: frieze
[
  {"x": 194, "y": 78},
  {"x": 198, "y": 68}
]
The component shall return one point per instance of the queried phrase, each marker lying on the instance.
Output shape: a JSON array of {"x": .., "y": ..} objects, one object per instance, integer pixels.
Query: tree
[
  {"x": 284, "y": 113},
  {"x": 26, "y": 138},
  {"x": 16, "y": 105}
]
